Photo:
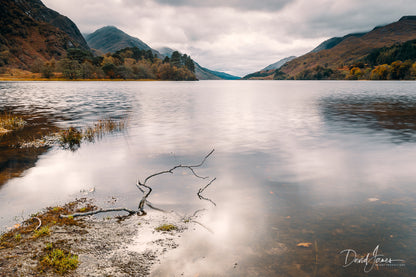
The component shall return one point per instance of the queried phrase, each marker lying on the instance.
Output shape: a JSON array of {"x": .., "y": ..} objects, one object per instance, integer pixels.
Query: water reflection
[
  {"x": 14, "y": 159},
  {"x": 392, "y": 113},
  {"x": 295, "y": 162}
]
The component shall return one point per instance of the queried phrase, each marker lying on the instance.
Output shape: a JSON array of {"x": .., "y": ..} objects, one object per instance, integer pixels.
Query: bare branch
[
  {"x": 190, "y": 167},
  {"x": 143, "y": 185},
  {"x": 99, "y": 211},
  {"x": 40, "y": 222},
  {"x": 201, "y": 190}
]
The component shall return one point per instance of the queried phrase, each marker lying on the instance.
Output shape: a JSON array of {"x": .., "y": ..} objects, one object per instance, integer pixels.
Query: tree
[
  {"x": 78, "y": 55},
  {"x": 381, "y": 72},
  {"x": 189, "y": 63},
  {"x": 109, "y": 70},
  {"x": 71, "y": 69},
  {"x": 355, "y": 73},
  {"x": 175, "y": 59},
  {"x": 87, "y": 70},
  {"x": 48, "y": 69}
]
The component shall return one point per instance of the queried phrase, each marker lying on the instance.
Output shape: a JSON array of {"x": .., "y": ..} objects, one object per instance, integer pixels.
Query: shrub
[
  {"x": 59, "y": 261},
  {"x": 166, "y": 228}
]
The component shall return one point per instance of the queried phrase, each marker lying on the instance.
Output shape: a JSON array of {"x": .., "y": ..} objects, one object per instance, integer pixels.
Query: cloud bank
[{"x": 236, "y": 36}]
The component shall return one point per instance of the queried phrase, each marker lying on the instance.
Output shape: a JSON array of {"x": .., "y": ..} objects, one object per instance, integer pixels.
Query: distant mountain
[
  {"x": 221, "y": 75},
  {"x": 166, "y": 51},
  {"x": 268, "y": 72},
  {"x": 111, "y": 39},
  {"x": 201, "y": 73},
  {"x": 278, "y": 64},
  {"x": 30, "y": 31}
]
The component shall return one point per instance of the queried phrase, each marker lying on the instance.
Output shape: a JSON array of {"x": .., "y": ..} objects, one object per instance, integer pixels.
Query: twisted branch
[
  {"x": 99, "y": 211},
  {"x": 141, "y": 185},
  {"x": 40, "y": 222}
]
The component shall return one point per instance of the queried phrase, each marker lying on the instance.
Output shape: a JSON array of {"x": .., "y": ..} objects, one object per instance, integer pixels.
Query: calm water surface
[{"x": 326, "y": 163}]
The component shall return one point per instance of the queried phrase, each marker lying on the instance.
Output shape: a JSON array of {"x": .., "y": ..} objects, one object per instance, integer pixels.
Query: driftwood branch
[
  {"x": 100, "y": 211},
  {"x": 40, "y": 222},
  {"x": 147, "y": 190},
  {"x": 191, "y": 168}
]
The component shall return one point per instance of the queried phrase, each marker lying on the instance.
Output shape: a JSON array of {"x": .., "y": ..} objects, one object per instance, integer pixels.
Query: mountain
[
  {"x": 268, "y": 73},
  {"x": 352, "y": 49},
  {"x": 111, "y": 39},
  {"x": 278, "y": 64},
  {"x": 166, "y": 51},
  {"x": 202, "y": 73},
  {"x": 332, "y": 42},
  {"x": 336, "y": 57},
  {"x": 30, "y": 31},
  {"x": 221, "y": 75}
]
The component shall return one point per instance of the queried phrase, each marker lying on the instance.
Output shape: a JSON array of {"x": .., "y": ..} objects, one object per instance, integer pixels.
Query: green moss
[
  {"x": 59, "y": 260},
  {"x": 48, "y": 246},
  {"x": 56, "y": 209},
  {"x": 17, "y": 237},
  {"x": 166, "y": 228},
  {"x": 44, "y": 231}
]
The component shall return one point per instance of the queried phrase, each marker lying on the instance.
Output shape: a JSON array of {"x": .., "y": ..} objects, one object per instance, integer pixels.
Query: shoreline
[
  {"x": 3, "y": 79},
  {"x": 109, "y": 246}
]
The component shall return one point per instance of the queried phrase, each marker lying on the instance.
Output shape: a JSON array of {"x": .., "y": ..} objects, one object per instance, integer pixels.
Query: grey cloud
[{"x": 269, "y": 5}]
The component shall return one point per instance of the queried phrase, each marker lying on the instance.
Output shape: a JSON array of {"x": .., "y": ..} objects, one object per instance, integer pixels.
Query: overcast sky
[{"x": 234, "y": 36}]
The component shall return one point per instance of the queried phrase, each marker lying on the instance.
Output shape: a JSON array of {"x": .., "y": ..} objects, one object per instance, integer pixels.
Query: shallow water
[{"x": 329, "y": 163}]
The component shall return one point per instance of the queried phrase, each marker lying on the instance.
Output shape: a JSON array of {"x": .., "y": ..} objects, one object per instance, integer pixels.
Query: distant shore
[{"x": 25, "y": 79}]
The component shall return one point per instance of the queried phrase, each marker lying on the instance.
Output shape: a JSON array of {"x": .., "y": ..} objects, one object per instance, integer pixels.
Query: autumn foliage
[{"x": 128, "y": 64}]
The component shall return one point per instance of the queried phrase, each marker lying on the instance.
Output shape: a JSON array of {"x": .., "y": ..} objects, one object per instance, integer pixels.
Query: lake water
[{"x": 326, "y": 163}]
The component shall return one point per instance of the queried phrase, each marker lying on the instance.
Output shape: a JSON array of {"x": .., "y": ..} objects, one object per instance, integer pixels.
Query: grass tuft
[
  {"x": 10, "y": 122},
  {"x": 102, "y": 127},
  {"x": 59, "y": 260},
  {"x": 166, "y": 228},
  {"x": 44, "y": 231},
  {"x": 71, "y": 138}
]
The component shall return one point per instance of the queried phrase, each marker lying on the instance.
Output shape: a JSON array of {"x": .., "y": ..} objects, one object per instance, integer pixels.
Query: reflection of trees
[{"x": 396, "y": 114}]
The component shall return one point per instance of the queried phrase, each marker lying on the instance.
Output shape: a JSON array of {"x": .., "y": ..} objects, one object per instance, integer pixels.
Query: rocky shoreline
[{"x": 109, "y": 246}]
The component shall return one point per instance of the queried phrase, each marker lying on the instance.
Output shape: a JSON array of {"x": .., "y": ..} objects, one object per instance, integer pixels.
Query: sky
[{"x": 234, "y": 36}]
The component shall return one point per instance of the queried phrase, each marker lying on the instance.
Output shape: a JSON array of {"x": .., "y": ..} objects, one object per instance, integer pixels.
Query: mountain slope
[
  {"x": 29, "y": 31},
  {"x": 268, "y": 73},
  {"x": 353, "y": 48},
  {"x": 278, "y": 64},
  {"x": 332, "y": 42},
  {"x": 202, "y": 74},
  {"x": 112, "y": 39},
  {"x": 38, "y": 11},
  {"x": 221, "y": 75}
]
